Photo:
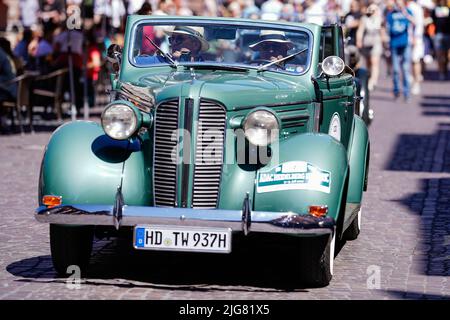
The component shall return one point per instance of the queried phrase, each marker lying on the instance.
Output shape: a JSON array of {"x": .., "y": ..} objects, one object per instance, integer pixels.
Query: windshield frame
[{"x": 219, "y": 22}]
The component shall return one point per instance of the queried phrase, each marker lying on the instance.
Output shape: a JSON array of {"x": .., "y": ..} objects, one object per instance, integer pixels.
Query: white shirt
[
  {"x": 419, "y": 25},
  {"x": 28, "y": 9},
  {"x": 315, "y": 14}
]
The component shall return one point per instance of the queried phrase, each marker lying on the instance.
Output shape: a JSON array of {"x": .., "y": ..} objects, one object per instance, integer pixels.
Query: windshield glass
[{"x": 221, "y": 45}]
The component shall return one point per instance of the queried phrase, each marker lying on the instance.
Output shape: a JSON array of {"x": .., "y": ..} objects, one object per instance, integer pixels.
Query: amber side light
[
  {"x": 51, "y": 201},
  {"x": 318, "y": 211}
]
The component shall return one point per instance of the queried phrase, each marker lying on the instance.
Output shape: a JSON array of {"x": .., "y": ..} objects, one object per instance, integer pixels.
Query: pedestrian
[
  {"x": 369, "y": 41},
  {"x": 351, "y": 22},
  {"x": 398, "y": 21},
  {"x": 418, "y": 48},
  {"x": 8, "y": 92},
  {"x": 441, "y": 19},
  {"x": 21, "y": 49}
]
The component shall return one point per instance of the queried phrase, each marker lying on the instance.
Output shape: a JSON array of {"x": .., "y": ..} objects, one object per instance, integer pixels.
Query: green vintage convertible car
[{"x": 217, "y": 128}]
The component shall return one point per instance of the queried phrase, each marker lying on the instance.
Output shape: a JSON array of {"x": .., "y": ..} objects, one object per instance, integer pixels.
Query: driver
[
  {"x": 187, "y": 43},
  {"x": 273, "y": 45}
]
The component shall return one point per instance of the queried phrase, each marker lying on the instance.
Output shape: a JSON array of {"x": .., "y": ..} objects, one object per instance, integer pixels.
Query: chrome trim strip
[
  {"x": 167, "y": 20},
  {"x": 262, "y": 221}
]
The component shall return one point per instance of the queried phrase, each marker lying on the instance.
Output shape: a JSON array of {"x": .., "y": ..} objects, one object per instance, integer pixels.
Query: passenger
[{"x": 273, "y": 46}]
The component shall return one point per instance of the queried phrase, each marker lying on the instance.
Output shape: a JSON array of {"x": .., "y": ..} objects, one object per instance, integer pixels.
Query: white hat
[
  {"x": 272, "y": 36},
  {"x": 196, "y": 32}
]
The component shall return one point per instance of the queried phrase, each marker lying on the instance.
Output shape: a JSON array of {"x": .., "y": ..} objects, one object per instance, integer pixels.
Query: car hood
[{"x": 233, "y": 89}]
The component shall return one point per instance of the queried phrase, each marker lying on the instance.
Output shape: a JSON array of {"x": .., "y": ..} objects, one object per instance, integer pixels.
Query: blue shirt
[{"x": 398, "y": 25}]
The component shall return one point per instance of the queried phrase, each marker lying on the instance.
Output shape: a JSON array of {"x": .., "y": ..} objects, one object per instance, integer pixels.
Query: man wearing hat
[
  {"x": 273, "y": 45},
  {"x": 186, "y": 45}
]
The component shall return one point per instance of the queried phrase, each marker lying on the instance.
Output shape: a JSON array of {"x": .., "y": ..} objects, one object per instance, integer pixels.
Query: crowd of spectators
[{"x": 406, "y": 34}]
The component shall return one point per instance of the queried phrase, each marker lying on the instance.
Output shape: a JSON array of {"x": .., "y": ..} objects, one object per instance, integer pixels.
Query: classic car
[{"x": 216, "y": 128}]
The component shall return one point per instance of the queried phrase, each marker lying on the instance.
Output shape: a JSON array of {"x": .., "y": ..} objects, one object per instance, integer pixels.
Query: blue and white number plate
[{"x": 176, "y": 238}]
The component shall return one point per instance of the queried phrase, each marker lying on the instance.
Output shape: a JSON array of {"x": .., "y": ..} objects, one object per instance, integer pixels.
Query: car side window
[
  {"x": 341, "y": 43},
  {"x": 327, "y": 43}
]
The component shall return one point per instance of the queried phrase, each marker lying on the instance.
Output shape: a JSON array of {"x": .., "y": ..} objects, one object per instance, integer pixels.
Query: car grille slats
[
  {"x": 165, "y": 152},
  {"x": 208, "y": 155}
]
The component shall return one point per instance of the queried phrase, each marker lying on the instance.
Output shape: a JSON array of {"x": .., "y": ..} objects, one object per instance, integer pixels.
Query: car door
[{"x": 337, "y": 92}]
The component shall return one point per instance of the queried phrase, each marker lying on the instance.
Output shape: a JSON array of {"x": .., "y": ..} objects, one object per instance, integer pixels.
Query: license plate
[{"x": 182, "y": 239}]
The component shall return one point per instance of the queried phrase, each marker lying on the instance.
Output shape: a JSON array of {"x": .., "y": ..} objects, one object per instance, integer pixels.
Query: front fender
[
  {"x": 317, "y": 153},
  {"x": 359, "y": 159},
  {"x": 84, "y": 166}
]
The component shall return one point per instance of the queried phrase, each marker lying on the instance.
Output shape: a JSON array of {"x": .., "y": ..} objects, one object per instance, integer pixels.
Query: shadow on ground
[
  {"x": 415, "y": 295},
  {"x": 421, "y": 152},
  {"x": 432, "y": 203},
  {"x": 115, "y": 263},
  {"x": 436, "y": 105}
]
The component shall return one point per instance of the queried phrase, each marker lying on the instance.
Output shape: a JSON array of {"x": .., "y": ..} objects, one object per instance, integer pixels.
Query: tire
[
  {"x": 70, "y": 245},
  {"x": 354, "y": 228},
  {"x": 317, "y": 260}
]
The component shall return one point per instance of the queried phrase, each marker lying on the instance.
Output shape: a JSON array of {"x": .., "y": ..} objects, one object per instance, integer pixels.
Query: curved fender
[
  {"x": 325, "y": 161},
  {"x": 84, "y": 166},
  {"x": 358, "y": 160}
]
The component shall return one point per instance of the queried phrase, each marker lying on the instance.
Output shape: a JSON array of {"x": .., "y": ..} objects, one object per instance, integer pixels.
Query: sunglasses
[
  {"x": 176, "y": 40},
  {"x": 273, "y": 47}
]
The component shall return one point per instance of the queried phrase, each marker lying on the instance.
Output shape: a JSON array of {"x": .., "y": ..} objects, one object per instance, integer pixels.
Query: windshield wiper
[
  {"x": 165, "y": 55},
  {"x": 261, "y": 68},
  {"x": 216, "y": 67}
]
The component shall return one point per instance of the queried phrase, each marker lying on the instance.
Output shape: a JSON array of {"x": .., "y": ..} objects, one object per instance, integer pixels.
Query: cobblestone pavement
[{"x": 405, "y": 237}]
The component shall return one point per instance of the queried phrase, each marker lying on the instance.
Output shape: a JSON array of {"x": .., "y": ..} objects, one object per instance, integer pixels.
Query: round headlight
[
  {"x": 261, "y": 127},
  {"x": 333, "y": 66},
  {"x": 119, "y": 121}
]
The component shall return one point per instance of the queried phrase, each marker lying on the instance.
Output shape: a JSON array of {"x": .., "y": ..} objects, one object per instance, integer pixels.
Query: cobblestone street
[{"x": 405, "y": 237}]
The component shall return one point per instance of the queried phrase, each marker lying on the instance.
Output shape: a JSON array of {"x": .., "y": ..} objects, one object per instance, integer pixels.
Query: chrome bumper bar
[{"x": 237, "y": 220}]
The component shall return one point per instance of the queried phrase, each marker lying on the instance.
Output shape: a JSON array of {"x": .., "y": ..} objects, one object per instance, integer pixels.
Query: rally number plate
[{"x": 174, "y": 238}]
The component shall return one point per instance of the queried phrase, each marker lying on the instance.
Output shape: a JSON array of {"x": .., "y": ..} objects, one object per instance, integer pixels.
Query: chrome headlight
[
  {"x": 333, "y": 66},
  {"x": 261, "y": 127},
  {"x": 120, "y": 120}
]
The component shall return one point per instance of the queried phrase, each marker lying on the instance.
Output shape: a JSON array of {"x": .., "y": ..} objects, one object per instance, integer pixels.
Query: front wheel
[
  {"x": 354, "y": 228},
  {"x": 70, "y": 245},
  {"x": 317, "y": 260}
]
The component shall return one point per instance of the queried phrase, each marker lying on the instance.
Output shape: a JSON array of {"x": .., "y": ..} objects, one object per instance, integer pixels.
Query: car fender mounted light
[
  {"x": 333, "y": 66},
  {"x": 51, "y": 201},
  {"x": 318, "y": 211},
  {"x": 121, "y": 119}
]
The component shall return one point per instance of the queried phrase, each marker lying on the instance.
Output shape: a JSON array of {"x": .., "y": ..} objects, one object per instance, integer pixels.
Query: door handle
[{"x": 346, "y": 103}]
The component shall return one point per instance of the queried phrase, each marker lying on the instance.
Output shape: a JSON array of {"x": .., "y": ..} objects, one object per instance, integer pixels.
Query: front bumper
[{"x": 237, "y": 220}]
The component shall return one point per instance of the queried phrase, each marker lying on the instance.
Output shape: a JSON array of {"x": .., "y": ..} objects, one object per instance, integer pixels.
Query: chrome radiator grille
[
  {"x": 165, "y": 152},
  {"x": 208, "y": 155}
]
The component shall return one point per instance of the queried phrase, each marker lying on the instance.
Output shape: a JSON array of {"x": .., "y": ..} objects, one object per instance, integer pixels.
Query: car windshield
[{"x": 221, "y": 46}]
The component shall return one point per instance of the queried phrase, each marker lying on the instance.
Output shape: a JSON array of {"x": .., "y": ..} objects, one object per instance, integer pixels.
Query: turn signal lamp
[
  {"x": 318, "y": 211},
  {"x": 51, "y": 201}
]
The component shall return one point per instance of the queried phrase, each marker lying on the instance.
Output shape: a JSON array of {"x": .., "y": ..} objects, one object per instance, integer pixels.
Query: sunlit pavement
[{"x": 403, "y": 250}]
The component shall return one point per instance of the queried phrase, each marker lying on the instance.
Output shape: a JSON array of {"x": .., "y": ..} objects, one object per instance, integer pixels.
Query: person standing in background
[
  {"x": 351, "y": 22},
  {"x": 441, "y": 19},
  {"x": 28, "y": 16},
  {"x": 398, "y": 20},
  {"x": 369, "y": 41},
  {"x": 418, "y": 48}
]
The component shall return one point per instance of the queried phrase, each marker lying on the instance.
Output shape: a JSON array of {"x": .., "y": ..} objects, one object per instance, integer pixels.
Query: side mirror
[
  {"x": 333, "y": 66},
  {"x": 114, "y": 56}
]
